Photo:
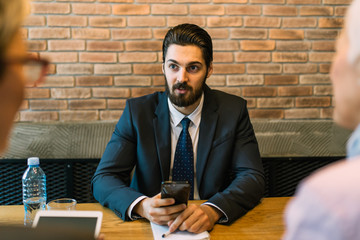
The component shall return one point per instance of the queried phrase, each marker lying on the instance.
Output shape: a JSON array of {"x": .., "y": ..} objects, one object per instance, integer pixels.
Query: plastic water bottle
[{"x": 34, "y": 190}]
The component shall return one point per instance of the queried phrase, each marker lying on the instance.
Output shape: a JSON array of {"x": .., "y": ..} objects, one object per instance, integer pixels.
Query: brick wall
[{"x": 274, "y": 53}]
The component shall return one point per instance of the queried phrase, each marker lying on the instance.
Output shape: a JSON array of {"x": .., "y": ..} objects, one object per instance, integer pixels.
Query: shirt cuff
[
  {"x": 224, "y": 219},
  {"x": 129, "y": 211}
]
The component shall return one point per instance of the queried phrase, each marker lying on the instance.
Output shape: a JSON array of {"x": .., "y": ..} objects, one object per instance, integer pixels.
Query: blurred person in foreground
[
  {"x": 225, "y": 166},
  {"x": 327, "y": 204},
  {"x": 17, "y": 70}
]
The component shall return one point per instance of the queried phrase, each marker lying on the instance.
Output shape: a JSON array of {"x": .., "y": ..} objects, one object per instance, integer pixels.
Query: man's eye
[
  {"x": 193, "y": 68},
  {"x": 173, "y": 66}
]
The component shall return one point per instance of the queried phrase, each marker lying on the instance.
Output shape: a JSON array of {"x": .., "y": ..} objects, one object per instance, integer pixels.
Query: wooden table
[{"x": 264, "y": 222}]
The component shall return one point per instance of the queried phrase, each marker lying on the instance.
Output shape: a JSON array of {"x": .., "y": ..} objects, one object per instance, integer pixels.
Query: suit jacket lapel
[
  {"x": 209, "y": 118},
  {"x": 163, "y": 135}
]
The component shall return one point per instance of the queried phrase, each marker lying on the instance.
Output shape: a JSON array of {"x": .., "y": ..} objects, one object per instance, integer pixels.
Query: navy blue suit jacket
[{"x": 229, "y": 171}]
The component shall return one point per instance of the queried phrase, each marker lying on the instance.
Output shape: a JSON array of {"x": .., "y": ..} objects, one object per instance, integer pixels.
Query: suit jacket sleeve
[
  {"x": 247, "y": 181},
  {"x": 110, "y": 183}
]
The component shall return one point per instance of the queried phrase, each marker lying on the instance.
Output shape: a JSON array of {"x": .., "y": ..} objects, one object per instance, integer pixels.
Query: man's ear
[{"x": 210, "y": 70}]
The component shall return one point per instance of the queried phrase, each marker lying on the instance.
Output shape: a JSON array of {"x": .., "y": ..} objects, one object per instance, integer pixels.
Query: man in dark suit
[{"x": 227, "y": 168}]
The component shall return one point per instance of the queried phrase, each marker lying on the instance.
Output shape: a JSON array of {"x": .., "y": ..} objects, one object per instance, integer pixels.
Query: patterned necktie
[{"x": 183, "y": 169}]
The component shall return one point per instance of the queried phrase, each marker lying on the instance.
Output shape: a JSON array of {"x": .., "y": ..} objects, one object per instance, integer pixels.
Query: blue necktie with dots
[{"x": 183, "y": 169}]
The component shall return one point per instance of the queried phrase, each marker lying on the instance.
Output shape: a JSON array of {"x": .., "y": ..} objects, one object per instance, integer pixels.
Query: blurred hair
[
  {"x": 189, "y": 34},
  {"x": 353, "y": 31},
  {"x": 12, "y": 14}
]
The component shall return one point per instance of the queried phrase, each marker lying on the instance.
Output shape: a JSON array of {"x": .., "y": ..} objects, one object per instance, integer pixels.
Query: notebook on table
[{"x": 159, "y": 230}]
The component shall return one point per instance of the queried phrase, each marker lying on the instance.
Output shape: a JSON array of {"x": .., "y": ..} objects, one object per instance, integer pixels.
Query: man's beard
[{"x": 182, "y": 100}]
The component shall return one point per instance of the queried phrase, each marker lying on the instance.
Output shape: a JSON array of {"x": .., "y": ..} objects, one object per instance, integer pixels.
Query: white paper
[{"x": 159, "y": 230}]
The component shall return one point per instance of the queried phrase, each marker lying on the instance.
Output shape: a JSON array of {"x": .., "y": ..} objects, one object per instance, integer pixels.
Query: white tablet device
[{"x": 88, "y": 222}]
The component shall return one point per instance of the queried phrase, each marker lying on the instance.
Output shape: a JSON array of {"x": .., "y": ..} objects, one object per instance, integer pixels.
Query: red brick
[
  {"x": 262, "y": 22},
  {"x": 315, "y": 79},
  {"x": 166, "y": 9},
  {"x": 299, "y": 22},
  {"x": 58, "y": 57},
  {"x": 323, "y": 90},
  {"x": 326, "y": 113},
  {"x": 238, "y": 80},
  {"x": 263, "y": 68},
  {"x": 36, "y": 33},
  {"x": 323, "y": 45},
  {"x": 137, "y": 57},
  {"x": 251, "y": 102},
  {"x": 321, "y": 57},
  {"x": 295, "y": 91},
  {"x": 143, "y": 46},
  {"x": 87, "y": 104},
  {"x": 206, "y": 9},
  {"x": 302, "y": 113},
  {"x": 303, "y": 2},
  {"x": 98, "y": 57},
  {"x": 268, "y": 1},
  {"x": 322, "y": 34},
  {"x": 131, "y": 9},
  {"x": 324, "y": 68},
  {"x": 36, "y": 45},
  {"x": 136, "y": 33},
  {"x": 91, "y": 8},
  {"x": 48, "y": 104},
  {"x": 286, "y": 34},
  {"x": 259, "y": 91},
  {"x": 331, "y": 22},
  {"x": 223, "y": 57},
  {"x": 230, "y": 90},
  {"x": 142, "y": 69},
  {"x": 218, "y": 33},
  {"x": 190, "y": 1},
  {"x": 110, "y": 46},
  {"x": 337, "y": 2},
  {"x": 243, "y": 10},
  {"x": 340, "y": 11},
  {"x": 63, "y": 21},
  {"x": 158, "y": 80},
  {"x": 293, "y": 45},
  {"x": 58, "y": 81},
  {"x": 66, "y": 45},
  {"x": 33, "y": 20},
  {"x": 216, "y": 80},
  {"x": 50, "y": 8},
  {"x": 266, "y": 113},
  {"x": 257, "y": 45},
  {"x": 289, "y": 57},
  {"x": 229, "y": 68},
  {"x": 110, "y": 115},
  {"x": 36, "y": 93},
  {"x": 77, "y": 115},
  {"x": 225, "y": 45},
  {"x": 248, "y": 33},
  {"x": 272, "y": 10},
  {"x": 281, "y": 79},
  {"x": 230, "y": 1},
  {"x": 24, "y": 105},
  {"x": 110, "y": 69},
  {"x": 116, "y": 103},
  {"x": 111, "y": 92},
  {"x": 300, "y": 68},
  {"x": 224, "y": 22},
  {"x": 86, "y": 81},
  {"x": 146, "y": 21},
  {"x": 252, "y": 57},
  {"x": 313, "y": 102},
  {"x": 117, "y": 1},
  {"x": 138, "y": 92},
  {"x": 107, "y": 21},
  {"x": 90, "y": 33},
  {"x": 40, "y": 116},
  {"x": 74, "y": 69},
  {"x": 316, "y": 11},
  {"x": 176, "y": 20},
  {"x": 275, "y": 102},
  {"x": 66, "y": 93},
  {"x": 133, "y": 81}
]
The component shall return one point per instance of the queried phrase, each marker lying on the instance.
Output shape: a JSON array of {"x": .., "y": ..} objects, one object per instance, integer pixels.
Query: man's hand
[
  {"x": 158, "y": 210},
  {"x": 196, "y": 219}
]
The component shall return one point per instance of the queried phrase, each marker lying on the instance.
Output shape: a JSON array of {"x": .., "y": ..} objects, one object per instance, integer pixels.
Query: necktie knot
[{"x": 185, "y": 123}]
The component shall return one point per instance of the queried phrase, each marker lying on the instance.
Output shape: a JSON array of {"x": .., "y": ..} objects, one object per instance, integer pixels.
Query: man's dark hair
[{"x": 189, "y": 34}]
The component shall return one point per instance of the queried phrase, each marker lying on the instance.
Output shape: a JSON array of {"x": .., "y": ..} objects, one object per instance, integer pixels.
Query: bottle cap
[{"x": 33, "y": 161}]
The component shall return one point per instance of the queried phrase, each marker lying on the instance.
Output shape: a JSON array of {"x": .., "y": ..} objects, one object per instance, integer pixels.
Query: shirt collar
[
  {"x": 353, "y": 144},
  {"x": 194, "y": 117}
]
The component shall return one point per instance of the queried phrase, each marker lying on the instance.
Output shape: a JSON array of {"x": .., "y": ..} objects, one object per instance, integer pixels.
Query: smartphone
[{"x": 180, "y": 191}]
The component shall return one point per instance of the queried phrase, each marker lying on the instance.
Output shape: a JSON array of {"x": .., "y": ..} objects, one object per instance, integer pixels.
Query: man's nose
[{"x": 182, "y": 75}]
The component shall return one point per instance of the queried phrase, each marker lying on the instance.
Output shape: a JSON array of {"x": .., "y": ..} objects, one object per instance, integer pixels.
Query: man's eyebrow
[{"x": 190, "y": 63}]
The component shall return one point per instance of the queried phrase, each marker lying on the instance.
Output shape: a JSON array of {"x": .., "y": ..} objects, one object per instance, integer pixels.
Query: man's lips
[{"x": 181, "y": 90}]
